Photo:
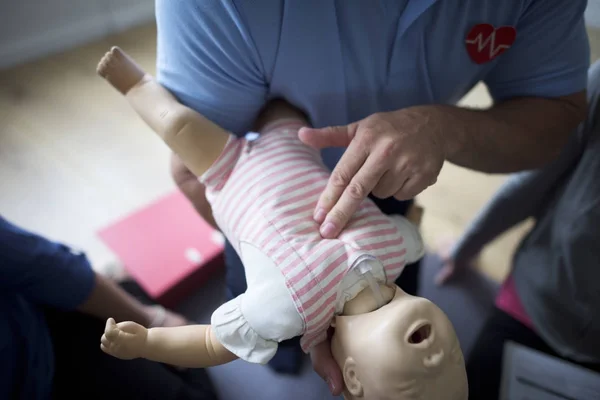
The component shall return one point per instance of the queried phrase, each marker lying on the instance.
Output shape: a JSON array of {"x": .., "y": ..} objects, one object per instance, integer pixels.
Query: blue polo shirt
[
  {"x": 342, "y": 60},
  {"x": 34, "y": 273}
]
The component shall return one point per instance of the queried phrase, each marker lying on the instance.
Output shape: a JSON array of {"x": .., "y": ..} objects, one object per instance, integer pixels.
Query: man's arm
[
  {"x": 538, "y": 86},
  {"x": 512, "y": 136},
  {"x": 523, "y": 195},
  {"x": 190, "y": 186}
]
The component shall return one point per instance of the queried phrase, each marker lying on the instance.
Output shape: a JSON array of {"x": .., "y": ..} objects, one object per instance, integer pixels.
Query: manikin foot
[{"x": 120, "y": 70}]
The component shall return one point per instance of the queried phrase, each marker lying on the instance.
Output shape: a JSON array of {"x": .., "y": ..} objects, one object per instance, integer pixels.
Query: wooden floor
[{"x": 74, "y": 157}]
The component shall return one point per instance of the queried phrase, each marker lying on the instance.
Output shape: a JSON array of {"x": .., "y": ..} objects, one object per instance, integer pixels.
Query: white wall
[{"x": 30, "y": 29}]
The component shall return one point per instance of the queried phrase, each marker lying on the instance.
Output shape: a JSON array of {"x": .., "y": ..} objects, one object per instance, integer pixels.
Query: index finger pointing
[
  {"x": 355, "y": 193},
  {"x": 341, "y": 176}
]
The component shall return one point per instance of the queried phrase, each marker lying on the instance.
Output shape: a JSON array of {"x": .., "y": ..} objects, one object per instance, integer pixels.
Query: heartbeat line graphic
[{"x": 482, "y": 42}]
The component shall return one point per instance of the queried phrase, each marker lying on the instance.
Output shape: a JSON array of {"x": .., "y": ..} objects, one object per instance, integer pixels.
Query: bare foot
[{"x": 120, "y": 70}]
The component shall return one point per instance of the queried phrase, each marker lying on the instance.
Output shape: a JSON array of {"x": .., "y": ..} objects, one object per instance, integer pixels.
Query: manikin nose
[{"x": 421, "y": 335}]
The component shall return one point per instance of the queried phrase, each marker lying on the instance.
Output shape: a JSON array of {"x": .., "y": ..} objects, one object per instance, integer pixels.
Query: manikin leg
[{"x": 196, "y": 140}]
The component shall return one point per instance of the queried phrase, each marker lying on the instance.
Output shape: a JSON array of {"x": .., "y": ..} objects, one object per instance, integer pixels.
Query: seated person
[
  {"x": 551, "y": 300},
  {"x": 53, "y": 307},
  {"x": 262, "y": 190}
]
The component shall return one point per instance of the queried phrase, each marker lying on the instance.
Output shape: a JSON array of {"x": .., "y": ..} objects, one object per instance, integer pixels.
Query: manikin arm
[
  {"x": 195, "y": 139},
  {"x": 192, "y": 346},
  {"x": 198, "y": 142}
]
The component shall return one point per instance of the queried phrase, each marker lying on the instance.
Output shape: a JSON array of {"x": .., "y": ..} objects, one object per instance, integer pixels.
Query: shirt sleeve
[
  {"x": 242, "y": 325},
  {"x": 206, "y": 57},
  {"x": 43, "y": 271},
  {"x": 550, "y": 56},
  {"x": 239, "y": 337}
]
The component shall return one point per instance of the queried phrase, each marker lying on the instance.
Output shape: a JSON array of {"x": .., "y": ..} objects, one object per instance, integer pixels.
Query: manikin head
[{"x": 406, "y": 349}]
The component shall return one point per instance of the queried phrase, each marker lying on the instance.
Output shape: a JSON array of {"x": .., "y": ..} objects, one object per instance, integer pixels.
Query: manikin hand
[
  {"x": 125, "y": 340},
  {"x": 398, "y": 153},
  {"x": 451, "y": 265}
]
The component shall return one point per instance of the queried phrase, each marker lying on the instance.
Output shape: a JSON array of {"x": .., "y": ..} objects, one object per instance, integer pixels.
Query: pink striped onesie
[{"x": 263, "y": 194}]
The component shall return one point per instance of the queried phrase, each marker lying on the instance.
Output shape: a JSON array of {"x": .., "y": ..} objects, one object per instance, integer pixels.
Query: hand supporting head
[{"x": 403, "y": 350}]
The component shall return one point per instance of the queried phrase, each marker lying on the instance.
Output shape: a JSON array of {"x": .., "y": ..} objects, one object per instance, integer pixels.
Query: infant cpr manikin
[{"x": 388, "y": 344}]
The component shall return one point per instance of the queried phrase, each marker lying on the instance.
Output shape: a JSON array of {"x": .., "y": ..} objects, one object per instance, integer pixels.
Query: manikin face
[{"x": 405, "y": 350}]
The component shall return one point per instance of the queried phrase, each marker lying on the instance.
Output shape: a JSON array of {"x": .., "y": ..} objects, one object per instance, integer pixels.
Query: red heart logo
[{"x": 485, "y": 42}]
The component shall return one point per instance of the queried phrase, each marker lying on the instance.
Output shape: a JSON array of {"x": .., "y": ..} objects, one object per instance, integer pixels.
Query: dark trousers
[
  {"x": 484, "y": 365},
  {"x": 289, "y": 355},
  {"x": 83, "y": 371}
]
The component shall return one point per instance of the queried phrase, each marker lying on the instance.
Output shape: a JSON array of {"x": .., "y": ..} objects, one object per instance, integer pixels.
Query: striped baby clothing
[{"x": 263, "y": 193}]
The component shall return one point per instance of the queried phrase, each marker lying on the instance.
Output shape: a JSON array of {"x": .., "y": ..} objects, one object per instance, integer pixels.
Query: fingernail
[
  {"x": 331, "y": 385},
  {"x": 320, "y": 215},
  {"x": 328, "y": 229}
]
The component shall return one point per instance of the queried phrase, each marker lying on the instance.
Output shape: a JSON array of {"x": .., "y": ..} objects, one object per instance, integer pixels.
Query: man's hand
[
  {"x": 397, "y": 154},
  {"x": 326, "y": 367},
  {"x": 125, "y": 340},
  {"x": 191, "y": 187}
]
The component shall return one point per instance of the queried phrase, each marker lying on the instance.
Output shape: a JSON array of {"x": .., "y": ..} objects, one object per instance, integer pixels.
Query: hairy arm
[
  {"x": 192, "y": 346},
  {"x": 514, "y": 135},
  {"x": 523, "y": 195}
]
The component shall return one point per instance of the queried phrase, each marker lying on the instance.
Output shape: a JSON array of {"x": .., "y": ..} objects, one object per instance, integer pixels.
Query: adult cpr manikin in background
[{"x": 388, "y": 344}]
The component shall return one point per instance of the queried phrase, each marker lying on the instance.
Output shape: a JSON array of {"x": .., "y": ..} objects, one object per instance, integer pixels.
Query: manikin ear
[{"x": 351, "y": 378}]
